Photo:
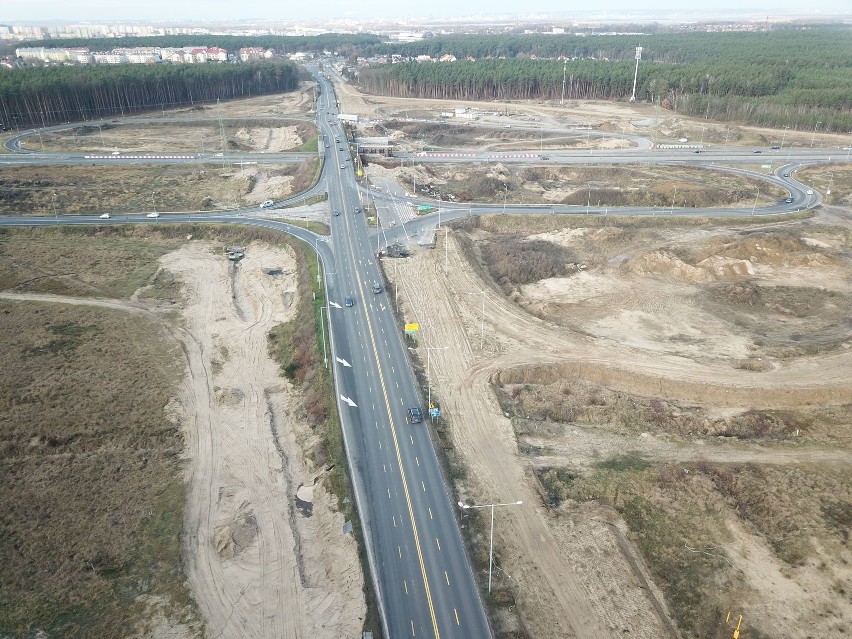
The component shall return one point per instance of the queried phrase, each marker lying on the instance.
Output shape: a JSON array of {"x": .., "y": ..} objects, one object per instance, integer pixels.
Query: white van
[{"x": 266, "y": 204}]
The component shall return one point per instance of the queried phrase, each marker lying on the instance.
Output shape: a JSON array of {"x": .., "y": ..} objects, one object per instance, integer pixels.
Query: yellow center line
[{"x": 401, "y": 470}]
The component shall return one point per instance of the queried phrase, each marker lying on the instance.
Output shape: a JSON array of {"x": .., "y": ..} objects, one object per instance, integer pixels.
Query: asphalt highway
[{"x": 421, "y": 572}]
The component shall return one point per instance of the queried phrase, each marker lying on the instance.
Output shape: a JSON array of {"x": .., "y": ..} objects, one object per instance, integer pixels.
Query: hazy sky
[{"x": 39, "y": 11}]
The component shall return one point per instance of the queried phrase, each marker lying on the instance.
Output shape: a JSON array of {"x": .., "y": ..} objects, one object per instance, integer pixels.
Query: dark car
[
  {"x": 415, "y": 415},
  {"x": 377, "y": 288},
  {"x": 775, "y": 147},
  {"x": 348, "y": 301},
  {"x": 757, "y": 151},
  {"x": 336, "y": 212}
]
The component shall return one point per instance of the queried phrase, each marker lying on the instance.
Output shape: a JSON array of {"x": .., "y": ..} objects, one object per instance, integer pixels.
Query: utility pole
[
  {"x": 754, "y": 206},
  {"x": 564, "y": 73},
  {"x": 636, "y": 73},
  {"x": 813, "y": 137},
  {"x": 429, "y": 350}
]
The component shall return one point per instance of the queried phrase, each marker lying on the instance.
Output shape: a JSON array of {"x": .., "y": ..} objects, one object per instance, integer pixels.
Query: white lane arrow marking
[
  {"x": 349, "y": 401},
  {"x": 344, "y": 362},
  {"x": 335, "y": 305}
]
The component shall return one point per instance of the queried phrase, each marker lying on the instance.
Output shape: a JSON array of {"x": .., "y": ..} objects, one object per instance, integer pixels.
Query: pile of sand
[{"x": 664, "y": 264}]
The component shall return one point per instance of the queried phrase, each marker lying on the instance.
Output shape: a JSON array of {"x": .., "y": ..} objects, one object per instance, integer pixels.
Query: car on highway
[
  {"x": 336, "y": 212},
  {"x": 775, "y": 147},
  {"x": 377, "y": 288},
  {"x": 788, "y": 200},
  {"x": 415, "y": 415},
  {"x": 810, "y": 192},
  {"x": 348, "y": 301},
  {"x": 786, "y": 175},
  {"x": 342, "y": 166},
  {"x": 266, "y": 204},
  {"x": 697, "y": 151},
  {"x": 104, "y": 216},
  {"x": 757, "y": 151},
  {"x": 153, "y": 214}
]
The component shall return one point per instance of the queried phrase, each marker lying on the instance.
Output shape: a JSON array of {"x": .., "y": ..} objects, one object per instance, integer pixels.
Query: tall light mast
[
  {"x": 636, "y": 73},
  {"x": 564, "y": 71}
]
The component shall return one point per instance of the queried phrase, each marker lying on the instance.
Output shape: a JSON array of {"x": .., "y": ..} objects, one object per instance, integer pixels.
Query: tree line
[{"x": 35, "y": 97}]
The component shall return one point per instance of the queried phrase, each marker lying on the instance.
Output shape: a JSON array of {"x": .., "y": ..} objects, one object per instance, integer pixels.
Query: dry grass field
[
  {"x": 82, "y": 190},
  {"x": 89, "y": 461}
]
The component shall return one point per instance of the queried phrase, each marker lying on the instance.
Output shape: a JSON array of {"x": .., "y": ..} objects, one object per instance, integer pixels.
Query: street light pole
[
  {"x": 316, "y": 248},
  {"x": 322, "y": 328},
  {"x": 55, "y": 214},
  {"x": 753, "y": 206},
  {"x": 429, "y": 350},
  {"x": 491, "y": 543}
]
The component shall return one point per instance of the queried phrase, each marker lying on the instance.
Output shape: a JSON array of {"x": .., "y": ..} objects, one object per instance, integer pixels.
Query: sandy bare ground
[
  {"x": 256, "y": 565},
  {"x": 570, "y": 576}
]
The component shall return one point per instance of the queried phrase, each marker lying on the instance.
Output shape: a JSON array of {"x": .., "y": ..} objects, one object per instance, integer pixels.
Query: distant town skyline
[{"x": 98, "y": 11}]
